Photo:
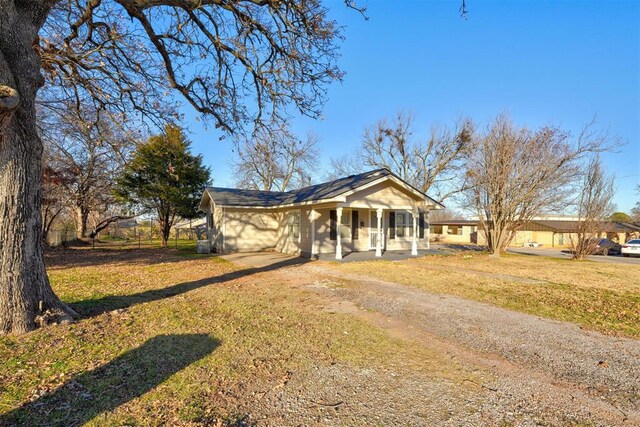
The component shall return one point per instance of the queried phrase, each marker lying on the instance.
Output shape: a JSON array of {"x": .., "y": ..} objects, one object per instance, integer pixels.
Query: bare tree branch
[
  {"x": 274, "y": 159},
  {"x": 239, "y": 63},
  {"x": 515, "y": 174},
  {"x": 593, "y": 206},
  {"x": 431, "y": 164}
]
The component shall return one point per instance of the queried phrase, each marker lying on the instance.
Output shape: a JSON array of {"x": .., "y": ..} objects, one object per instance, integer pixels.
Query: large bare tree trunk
[
  {"x": 26, "y": 297},
  {"x": 82, "y": 217}
]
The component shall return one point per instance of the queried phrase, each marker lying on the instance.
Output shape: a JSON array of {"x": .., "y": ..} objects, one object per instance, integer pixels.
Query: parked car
[
  {"x": 632, "y": 247},
  {"x": 607, "y": 247}
]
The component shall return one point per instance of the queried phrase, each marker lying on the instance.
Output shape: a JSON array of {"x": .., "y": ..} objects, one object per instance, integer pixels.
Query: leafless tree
[
  {"x": 446, "y": 214},
  {"x": 345, "y": 165},
  {"x": 274, "y": 159},
  {"x": 89, "y": 154},
  {"x": 237, "y": 63},
  {"x": 55, "y": 198},
  {"x": 515, "y": 174},
  {"x": 635, "y": 212},
  {"x": 430, "y": 164},
  {"x": 593, "y": 207}
]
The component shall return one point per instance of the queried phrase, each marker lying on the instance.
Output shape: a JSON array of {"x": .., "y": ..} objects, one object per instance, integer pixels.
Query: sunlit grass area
[
  {"x": 598, "y": 296},
  {"x": 166, "y": 339}
]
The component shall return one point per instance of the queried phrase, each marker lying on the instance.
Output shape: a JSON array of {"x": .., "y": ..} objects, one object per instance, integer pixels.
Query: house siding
[
  {"x": 323, "y": 243},
  {"x": 245, "y": 230},
  {"x": 466, "y": 236},
  {"x": 285, "y": 241},
  {"x": 385, "y": 195}
]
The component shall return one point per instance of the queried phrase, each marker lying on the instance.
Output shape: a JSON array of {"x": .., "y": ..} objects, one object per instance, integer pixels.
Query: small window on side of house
[{"x": 294, "y": 224}]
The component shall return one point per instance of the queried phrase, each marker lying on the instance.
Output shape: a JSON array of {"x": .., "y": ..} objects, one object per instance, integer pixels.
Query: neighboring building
[
  {"x": 559, "y": 232},
  {"x": 375, "y": 210},
  {"x": 550, "y": 231},
  {"x": 454, "y": 231},
  {"x": 187, "y": 228}
]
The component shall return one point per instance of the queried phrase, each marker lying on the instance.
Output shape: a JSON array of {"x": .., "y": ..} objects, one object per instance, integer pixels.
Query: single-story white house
[{"x": 374, "y": 210}]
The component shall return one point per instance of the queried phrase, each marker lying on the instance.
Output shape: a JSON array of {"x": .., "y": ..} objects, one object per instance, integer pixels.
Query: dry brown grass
[
  {"x": 603, "y": 297},
  {"x": 174, "y": 340}
]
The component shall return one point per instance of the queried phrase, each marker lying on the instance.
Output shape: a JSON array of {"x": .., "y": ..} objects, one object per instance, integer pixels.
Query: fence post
[
  {"x": 177, "y": 232},
  {"x": 93, "y": 240},
  {"x": 139, "y": 236}
]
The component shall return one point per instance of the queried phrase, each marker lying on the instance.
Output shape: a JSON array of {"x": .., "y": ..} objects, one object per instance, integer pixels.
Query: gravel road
[
  {"x": 560, "y": 253},
  {"x": 544, "y": 370}
]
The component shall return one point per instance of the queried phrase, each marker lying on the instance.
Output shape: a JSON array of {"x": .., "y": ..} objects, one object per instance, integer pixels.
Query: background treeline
[{"x": 98, "y": 173}]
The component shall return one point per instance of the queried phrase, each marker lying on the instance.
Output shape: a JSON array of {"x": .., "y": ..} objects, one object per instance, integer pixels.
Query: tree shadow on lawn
[
  {"x": 95, "y": 307},
  {"x": 104, "y": 389},
  {"x": 56, "y": 258}
]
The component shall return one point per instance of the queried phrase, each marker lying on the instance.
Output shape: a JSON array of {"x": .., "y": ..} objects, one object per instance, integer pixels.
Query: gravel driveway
[
  {"x": 522, "y": 370},
  {"x": 543, "y": 370},
  {"x": 563, "y": 253}
]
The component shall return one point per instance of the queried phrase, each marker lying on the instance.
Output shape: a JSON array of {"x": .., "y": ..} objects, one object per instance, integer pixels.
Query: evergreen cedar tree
[{"x": 165, "y": 178}]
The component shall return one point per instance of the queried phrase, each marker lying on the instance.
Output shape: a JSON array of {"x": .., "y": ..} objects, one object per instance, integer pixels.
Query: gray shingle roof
[
  {"x": 239, "y": 197},
  {"x": 326, "y": 190}
]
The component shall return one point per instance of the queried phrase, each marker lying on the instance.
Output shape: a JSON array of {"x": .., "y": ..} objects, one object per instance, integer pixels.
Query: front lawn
[
  {"x": 166, "y": 339},
  {"x": 599, "y": 296}
]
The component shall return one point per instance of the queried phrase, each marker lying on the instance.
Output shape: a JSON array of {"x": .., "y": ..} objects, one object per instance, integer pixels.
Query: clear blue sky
[{"x": 541, "y": 61}]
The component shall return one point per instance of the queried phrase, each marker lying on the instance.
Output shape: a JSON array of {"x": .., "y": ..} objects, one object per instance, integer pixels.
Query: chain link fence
[{"x": 134, "y": 238}]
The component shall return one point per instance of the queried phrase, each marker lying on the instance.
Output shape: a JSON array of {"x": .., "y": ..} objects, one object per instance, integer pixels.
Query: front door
[{"x": 373, "y": 230}]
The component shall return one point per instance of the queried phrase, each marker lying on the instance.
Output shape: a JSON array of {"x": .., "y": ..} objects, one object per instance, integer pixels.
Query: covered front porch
[{"x": 372, "y": 231}]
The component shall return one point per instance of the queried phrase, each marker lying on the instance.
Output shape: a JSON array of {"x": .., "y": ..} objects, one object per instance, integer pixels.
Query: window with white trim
[
  {"x": 454, "y": 229},
  {"x": 404, "y": 224},
  {"x": 294, "y": 224}
]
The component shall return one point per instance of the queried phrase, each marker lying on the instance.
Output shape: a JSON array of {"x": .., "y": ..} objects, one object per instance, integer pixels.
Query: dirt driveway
[{"x": 530, "y": 370}]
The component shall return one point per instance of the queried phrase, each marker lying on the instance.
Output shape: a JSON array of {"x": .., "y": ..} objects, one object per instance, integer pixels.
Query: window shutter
[
  {"x": 421, "y": 225},
  {"x": 392, "y": 225},
  {"x": 333, "y": 219},
  {"x": 355, "y": 224}
]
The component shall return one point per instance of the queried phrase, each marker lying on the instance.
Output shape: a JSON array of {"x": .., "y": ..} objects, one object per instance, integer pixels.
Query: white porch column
[
  {"x": 338, "y": 233},
  {"x": 427, "y": 225},
  {"x": 313, "y": 233},
  {"x": 414, "y": 243},
  {"x": 379, "y": 239}
]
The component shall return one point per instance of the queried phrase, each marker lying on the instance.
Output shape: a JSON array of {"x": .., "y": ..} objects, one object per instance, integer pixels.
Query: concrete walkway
[{"x": 371, "y": 255}]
